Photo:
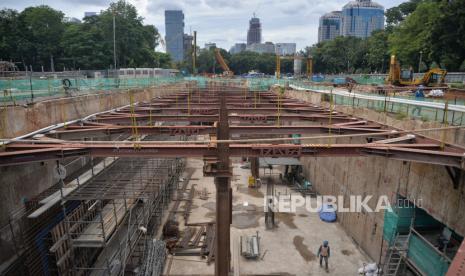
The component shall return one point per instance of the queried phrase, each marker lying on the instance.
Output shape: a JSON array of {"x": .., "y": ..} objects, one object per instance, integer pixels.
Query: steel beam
[
  {"x": 122, "y": 119},
  {"x": 457, "y": 267},
  {"x": 73, "y": 132},
  {"x": 18, "y": 153}
]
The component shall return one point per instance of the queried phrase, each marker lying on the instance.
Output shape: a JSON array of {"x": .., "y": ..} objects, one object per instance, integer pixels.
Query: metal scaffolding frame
[{"x": 108, "y": 225}]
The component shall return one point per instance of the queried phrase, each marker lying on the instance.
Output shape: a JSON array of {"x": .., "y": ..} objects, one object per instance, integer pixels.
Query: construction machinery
[
  {"x": 309, "y": 60},
  {"x": 404, "y": 77},
  {"x": 219, "y": 58}
]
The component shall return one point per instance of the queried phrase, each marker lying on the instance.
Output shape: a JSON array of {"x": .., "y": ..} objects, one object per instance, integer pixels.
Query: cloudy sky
[{"x": 224, "y": 22}]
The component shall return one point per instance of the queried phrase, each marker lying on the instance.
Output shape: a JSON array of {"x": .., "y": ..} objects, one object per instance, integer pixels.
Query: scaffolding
[{"x": 118, "y": 213}]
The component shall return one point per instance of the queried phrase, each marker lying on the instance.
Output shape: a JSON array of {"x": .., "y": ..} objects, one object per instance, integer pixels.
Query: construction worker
[
  {"x": 324, "y": 253},
  {"x": 419, "y": 96},
  {"x": 419, "y": 92}
]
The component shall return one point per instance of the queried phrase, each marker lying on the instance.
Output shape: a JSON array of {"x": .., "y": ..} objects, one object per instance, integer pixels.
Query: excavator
[
  {"x": 404, "y": 77},
  {"x": 219, "y": 58}
]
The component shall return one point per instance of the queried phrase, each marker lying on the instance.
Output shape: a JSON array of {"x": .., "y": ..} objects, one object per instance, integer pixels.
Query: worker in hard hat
[
  {"x": 324, "y": 253},
  {"x": 419, "y": 96}
]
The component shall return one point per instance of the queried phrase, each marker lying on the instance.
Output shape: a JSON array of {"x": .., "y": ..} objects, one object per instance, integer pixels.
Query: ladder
[{"x": 395, "y": 254}]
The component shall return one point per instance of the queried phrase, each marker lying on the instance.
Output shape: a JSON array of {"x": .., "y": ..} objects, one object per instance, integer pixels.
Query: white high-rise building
[
  {"x": 330, "y": 26},
  {"x": 361, "y": 17}
]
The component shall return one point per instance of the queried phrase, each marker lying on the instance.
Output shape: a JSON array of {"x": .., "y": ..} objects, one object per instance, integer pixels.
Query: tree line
[
  {"x": 39, "y": 37},
  {"x": 423, "y": 34}
]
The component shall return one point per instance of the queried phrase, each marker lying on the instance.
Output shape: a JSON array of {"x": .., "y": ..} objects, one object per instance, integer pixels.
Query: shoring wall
[
  {"x": 20, "y": 120},
  {"x": 21, "y": 183},
  {"x": 379, "y": 176}
]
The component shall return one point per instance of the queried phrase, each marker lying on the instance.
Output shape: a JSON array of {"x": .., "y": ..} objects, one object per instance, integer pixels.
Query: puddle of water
[
  {"x": 287, "y": 219},
  {"x": 246, "y": 220},
  {"x": 306, "y": 254},
  {"x": 347, "y": 252}
]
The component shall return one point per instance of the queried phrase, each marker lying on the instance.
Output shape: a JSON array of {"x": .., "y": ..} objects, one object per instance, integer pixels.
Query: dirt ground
[{"x": 288, "y": 249}]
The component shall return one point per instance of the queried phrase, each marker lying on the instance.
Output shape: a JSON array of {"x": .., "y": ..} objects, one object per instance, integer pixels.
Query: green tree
[
  {"x": 85, "y": 47},
  {"x": 41, "y": 29},
  {"x": 206, "y": 61},
  {"x": 397, "y": 14},
  {"x": 134, "y": 41},
  {"x": 448, "y": 35},
  {"x": 9, "y": 35},
  {"x": 377, "y": 56},
  {"x": 38, "y": 36},
  {"x": 342, "y": 54},
  {"x": 162, "y": 60},
  {"x": 413, "y": 35}
]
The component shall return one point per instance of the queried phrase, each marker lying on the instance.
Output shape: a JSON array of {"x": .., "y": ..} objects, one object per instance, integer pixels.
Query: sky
[{"x": 224, "y": 22}]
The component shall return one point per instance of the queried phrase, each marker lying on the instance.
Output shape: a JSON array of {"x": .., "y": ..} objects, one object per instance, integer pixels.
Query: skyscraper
[
  {"x": 361, "y": 17},
  {"x": 330, "y": 26},
  {"x": 187, "y": 44},
  {"x": 174, "y": 29},
  {"x": 254, "y": 34}
]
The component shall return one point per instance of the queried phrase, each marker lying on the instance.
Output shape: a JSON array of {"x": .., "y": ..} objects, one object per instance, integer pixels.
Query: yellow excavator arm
[
  {"x": 220, "y": 60},
  {"x": 396, "y": 76},
  {"x": 435, "y": 76}
]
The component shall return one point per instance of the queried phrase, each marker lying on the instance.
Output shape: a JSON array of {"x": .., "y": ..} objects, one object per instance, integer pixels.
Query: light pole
[
  {"x": 419, "y": 63},
  {"x": 114, "y": 42}
]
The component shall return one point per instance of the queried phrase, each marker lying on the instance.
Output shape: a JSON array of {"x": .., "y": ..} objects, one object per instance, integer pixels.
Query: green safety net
[
  {"x": 390, "y": 226},
  {"x": 25, "y": 89},
  {"x": 397, "y": 220},
  {"x": 426, "y": 258}
]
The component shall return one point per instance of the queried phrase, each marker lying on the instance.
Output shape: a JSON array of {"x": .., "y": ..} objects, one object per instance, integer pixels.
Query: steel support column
[
  {"x": 223, "y": 195},
  {"x": 254, "y": 167}
]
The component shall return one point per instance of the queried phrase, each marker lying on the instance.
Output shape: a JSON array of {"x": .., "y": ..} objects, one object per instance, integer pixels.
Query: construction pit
[
  {"x": 176, "y": 180},
  {"x": 289, "y": 248}
]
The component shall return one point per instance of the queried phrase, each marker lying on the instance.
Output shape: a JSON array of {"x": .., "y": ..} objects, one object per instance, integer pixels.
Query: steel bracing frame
[{"x": 225, "y": 116}]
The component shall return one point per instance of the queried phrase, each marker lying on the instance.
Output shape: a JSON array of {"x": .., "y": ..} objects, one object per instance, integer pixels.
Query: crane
[{"x": 220, "y": 60}]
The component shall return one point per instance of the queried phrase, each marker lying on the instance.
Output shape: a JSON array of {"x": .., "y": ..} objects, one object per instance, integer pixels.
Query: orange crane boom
[{"x": 220, "y": 60}]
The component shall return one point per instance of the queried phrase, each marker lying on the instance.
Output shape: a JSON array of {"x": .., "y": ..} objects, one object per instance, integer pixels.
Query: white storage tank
[{"x": 297, "y": 67}]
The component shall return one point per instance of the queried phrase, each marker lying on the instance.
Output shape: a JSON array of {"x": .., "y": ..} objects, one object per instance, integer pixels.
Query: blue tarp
[{"x": 327, "y": 213}]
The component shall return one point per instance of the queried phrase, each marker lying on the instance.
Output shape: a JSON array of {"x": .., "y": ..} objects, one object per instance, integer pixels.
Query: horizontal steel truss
[
  {"x": 425, "y": 153},
  {"x": 419, "y": 149},
  {"x": 74, "y": 131},
  {"x": 121, "y": 118}
]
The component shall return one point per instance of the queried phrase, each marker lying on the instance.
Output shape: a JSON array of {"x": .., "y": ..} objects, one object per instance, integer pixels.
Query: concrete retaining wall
[
  {"x": 381, "y": 176},
  {"x": 19, "y": 120},
  {"x": 21, "y": 183}
]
